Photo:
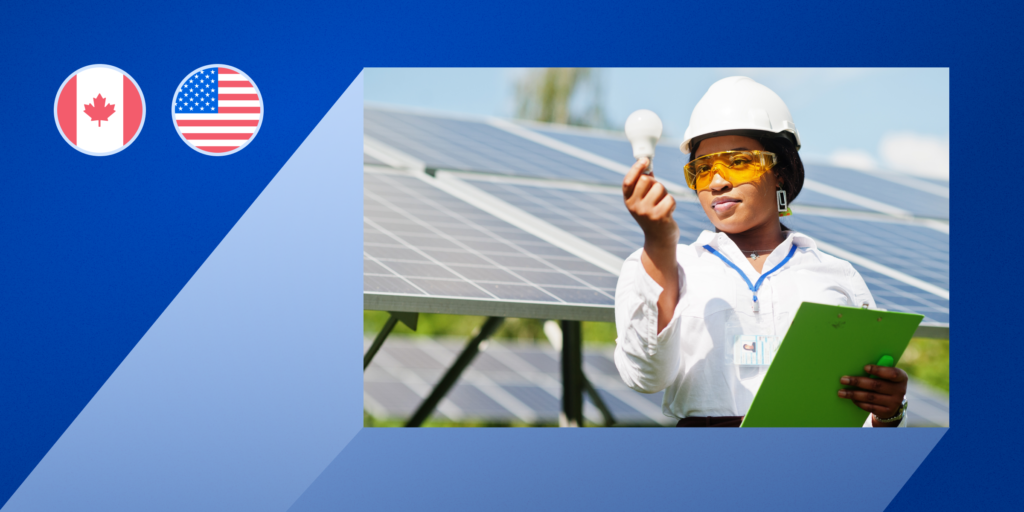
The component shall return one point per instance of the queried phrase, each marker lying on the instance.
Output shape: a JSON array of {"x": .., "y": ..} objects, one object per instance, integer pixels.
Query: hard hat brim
[{"x": 688, "y": 144}]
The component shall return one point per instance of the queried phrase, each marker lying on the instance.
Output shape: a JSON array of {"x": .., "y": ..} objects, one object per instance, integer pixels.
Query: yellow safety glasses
[{"x": 736, "y": 167}]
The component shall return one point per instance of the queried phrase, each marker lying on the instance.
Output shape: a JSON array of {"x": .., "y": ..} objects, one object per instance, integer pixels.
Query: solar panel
[
  {"x": 918, "y": 202},
  {"x": 428, "y": 251},
  {"x": 919, "y": 251},
  {"x": 808, "y": 197},
  {"x": 405, "y": 369},
  {"x": 601, "y": 219},
  {"x": 444, "y": 143},
  {"x": 934, "y": 181},
  {"x": 669, "y": 162},
  {"x": 668, "y": 159},
  {"x": 506, "y": 382},
  {"x": 893, "y": 295}
]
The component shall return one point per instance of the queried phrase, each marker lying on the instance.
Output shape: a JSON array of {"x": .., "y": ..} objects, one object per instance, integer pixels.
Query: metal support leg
[
  {"x": 572, "y": 374},
  {"x": 409, "y": 319},
  {"x": 609, "y": 420},
  {"x": 453, "y": 374}
]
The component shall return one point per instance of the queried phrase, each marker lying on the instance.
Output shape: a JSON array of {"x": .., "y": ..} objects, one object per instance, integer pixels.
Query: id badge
[{"x": 754, "y": 350}]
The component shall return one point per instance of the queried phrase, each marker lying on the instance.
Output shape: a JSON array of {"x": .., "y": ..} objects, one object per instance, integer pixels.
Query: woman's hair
[{"x": 789, "y": 167}]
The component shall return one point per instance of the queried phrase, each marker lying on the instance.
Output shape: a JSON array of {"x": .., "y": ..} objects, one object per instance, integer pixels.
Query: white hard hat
[{"x": 736, "y": 105}]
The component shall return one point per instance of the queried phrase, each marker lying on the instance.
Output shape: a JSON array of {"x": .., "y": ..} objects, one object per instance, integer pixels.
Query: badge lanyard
[{"x": 753, "y": 287}]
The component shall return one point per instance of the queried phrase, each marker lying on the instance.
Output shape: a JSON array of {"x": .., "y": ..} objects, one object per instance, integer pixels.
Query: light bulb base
[
  {"x": 643, "y": 148},
  {"x": 649, "y": 170}
]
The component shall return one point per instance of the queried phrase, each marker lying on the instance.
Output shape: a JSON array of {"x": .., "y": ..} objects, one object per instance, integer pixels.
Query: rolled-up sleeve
[
  {"x": 648, "y": 361},
  {"x": 861, "y": 293}
]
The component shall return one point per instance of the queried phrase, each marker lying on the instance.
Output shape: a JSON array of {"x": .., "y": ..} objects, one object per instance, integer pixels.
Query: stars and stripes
[{"x": 217, "y": 110}]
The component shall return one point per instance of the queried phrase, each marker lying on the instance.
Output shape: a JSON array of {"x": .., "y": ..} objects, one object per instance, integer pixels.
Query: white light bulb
[{"x": 643, "y": 129}]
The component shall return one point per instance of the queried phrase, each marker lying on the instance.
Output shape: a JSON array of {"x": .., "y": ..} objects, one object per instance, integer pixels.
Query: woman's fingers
[
  {"x": 870, "y": 397},
  {"x": 656, "y": 194},
  {"x": 882, "y": 396},
  {"x": 877, "y": 385},
  {"x": 643, "y": 185},
  {"x": 665, "y": 207},
  {"x": 631, "y": 177},
  {"x": 655, "y": 204},
  {"x": 889, "y": 373},
  {"x": 649, "y": 203},
  {"x": 877, "y": 410}
]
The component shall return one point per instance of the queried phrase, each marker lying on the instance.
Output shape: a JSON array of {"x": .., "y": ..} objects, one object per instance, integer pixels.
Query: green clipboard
[{"x": 824, "y": 343}]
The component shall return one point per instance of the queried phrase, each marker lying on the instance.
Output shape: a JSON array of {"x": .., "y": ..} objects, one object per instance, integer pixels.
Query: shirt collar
[
  {"x": 723, "y": 244},
  {"x": 715, "y": 240},
  {"x": 801, "y": 240}
]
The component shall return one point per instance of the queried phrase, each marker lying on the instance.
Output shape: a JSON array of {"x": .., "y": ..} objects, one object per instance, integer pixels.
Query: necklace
[{"x": 754, "y": 254}]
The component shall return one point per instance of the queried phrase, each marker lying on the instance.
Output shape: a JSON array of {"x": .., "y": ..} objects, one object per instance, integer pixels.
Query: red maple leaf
[{"x": 99, "y": 111}]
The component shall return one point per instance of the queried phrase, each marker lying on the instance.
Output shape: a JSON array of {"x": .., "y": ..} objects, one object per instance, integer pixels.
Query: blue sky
[{"x": 875, "y": 118}]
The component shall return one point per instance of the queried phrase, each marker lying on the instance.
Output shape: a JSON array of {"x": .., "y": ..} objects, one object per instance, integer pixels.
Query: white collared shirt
[{"x": 692, "y": 357}]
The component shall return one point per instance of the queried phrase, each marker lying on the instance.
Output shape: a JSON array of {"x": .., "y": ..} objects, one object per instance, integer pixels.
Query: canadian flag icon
[{"x": 99, "y": 110}]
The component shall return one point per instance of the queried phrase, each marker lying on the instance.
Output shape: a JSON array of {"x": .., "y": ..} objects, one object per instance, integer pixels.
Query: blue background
[{"x": 96, "y": 249}]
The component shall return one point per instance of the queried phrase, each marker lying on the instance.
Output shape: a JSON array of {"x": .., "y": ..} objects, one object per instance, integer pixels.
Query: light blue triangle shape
[
  {"x": 511, "y": 469},
  {"x": 248, "y": 384}
]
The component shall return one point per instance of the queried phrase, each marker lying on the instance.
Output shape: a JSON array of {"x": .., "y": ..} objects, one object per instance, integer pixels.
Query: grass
[
  {"x": 519, "y": 329},
  {"x": 927, "y": 360}
]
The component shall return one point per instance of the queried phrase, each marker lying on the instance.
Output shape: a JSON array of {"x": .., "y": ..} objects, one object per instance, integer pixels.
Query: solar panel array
[
  {"x": 599, "y": 218},
  {"x": 668, "y": 159},
  {"x": 521, "y": 383},
  {"x": 421, "y": 241},
  {"x": 443, "y": 143},
  {"x": 669, "y": 162},
  {"x": 918, "y": 202}
]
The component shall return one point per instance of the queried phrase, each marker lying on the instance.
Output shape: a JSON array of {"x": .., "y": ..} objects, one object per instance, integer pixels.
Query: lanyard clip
[{"x": 757, "y": 307}]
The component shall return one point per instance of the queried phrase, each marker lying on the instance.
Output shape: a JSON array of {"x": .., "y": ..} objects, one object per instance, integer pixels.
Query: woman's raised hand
[{"x": 651, "y": 206}]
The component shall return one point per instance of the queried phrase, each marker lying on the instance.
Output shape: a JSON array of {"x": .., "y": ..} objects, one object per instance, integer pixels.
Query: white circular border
[
  {"x": 56, "y": 118},
  {"x": 254, "y": 133}
]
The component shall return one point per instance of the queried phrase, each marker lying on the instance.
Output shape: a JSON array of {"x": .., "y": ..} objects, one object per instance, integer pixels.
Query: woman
[{"x": 687, "y": 315}]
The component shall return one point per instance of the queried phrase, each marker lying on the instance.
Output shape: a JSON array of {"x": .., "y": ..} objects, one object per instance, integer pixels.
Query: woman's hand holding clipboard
[{"x": 882, "y": 396}]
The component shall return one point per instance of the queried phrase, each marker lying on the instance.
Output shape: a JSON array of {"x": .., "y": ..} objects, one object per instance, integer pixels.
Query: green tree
[{"x": 561, "y": 95}]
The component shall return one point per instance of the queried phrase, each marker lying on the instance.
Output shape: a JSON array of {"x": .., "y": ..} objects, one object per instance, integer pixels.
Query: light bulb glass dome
[{"x": 643, "y": 129}]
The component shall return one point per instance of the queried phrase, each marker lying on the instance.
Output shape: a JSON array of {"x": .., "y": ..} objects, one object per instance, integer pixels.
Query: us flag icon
[
  {"x": 217, "y": 110},
  {"x": 99, "y": 110}
]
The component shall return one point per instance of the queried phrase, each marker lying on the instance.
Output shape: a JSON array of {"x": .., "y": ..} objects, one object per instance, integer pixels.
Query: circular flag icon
[
  {"x": 99, "y": 110},
  {"x": 217, "y": 110}
]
